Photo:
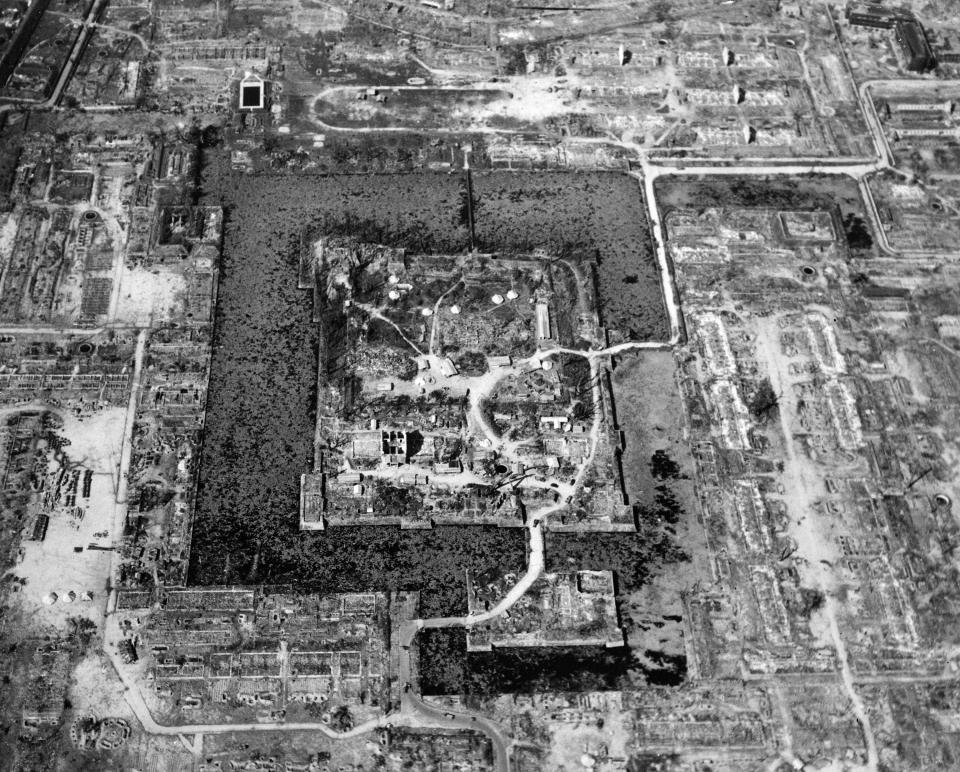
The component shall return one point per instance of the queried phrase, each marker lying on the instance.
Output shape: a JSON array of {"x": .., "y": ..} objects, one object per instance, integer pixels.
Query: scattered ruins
[
  {"x": 447, "y": 394},
  {"x": 558, "y": 610},
  {"x": 235, "y": 653},
  {"x": 479, "y": 386}
]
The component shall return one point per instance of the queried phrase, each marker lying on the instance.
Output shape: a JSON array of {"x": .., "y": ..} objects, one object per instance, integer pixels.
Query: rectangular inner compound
[{"x": 251, "y": 95}]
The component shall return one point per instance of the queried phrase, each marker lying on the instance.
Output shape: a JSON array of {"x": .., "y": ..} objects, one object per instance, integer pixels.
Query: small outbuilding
[{"x": 252, "y": 92}]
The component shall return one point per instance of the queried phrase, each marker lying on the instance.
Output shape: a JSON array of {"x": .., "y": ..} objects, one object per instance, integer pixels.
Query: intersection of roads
[{"x": 412, "y": 710}]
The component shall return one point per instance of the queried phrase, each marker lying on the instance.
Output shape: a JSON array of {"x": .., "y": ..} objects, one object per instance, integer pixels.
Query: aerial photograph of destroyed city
[{"x": 479, "y": 385}]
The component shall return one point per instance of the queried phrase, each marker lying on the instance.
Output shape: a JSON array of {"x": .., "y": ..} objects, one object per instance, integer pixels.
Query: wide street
[{"x": 413, "y": 710}]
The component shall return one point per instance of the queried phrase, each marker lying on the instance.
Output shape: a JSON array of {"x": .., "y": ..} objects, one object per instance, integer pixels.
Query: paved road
[
  {"x": 89, "y": 26},
  {"x": 670, "y": 298},
  {"x": 411, "y": 705},
  {"x": 870, "y": 205},
  {"x": 431, "y": 716},
  {"x": 413, "y": 710}
]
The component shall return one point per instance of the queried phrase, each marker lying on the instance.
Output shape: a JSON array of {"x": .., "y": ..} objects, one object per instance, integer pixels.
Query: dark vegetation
[
  {"x": 764, "y": 401},
  {"x": 11, "y": 139},
  {"x": 857, "y": 232},
  {"x": 598, "y": 215},
  {"x": 447, "y": 668},
  {"x": 261, "y": 401},
  {"x": 629, "y": 555},
  {"x": 808, "y": 191},
  {"x": 261, "y": 409},
  {"x": 657, "y": 762},
  {"x": 663, "y": 467}
]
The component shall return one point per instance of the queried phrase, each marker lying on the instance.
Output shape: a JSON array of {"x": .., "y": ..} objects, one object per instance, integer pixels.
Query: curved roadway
[{"x": 413, "y": 710}]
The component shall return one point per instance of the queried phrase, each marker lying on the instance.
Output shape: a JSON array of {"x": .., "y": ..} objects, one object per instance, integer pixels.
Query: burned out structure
[
  {"x": 445, "y": 393},
  {"x": 576, "y": 609},
  {"x": 418, "y": 749},
  {"x": 806, "y": 392},
  {"x": 819, "y": 431},
  {"x": 917, "y": 120},
  {"x": 908, "y": 33},
  {"x": 236, "y": 652},
  {"x": 915, "y": 47},
  {"x": 80, "y": 372},
  {"x": 165, "y": 460},
  {"x": 90, "y": 215},
  {"x": 740, "y": 522}
]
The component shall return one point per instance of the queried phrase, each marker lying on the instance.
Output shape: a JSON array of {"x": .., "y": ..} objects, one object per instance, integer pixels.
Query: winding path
[{"x": 413, "y": 710}]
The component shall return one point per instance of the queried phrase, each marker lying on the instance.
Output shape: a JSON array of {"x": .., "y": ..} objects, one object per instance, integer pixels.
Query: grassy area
[
  {"x": 601, "y": 214},
  {"x": 651, "y": 567},
  {"x": 636, "y": 559},
  {"x": 261, "y": 402},
  {"x": 261, "y": 409},
  {"x": 447, "y": 668}
]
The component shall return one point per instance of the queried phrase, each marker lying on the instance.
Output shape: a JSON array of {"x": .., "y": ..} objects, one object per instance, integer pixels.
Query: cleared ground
[
  {"x": 420, "y": 108},
  {"x": 93, "y": 442},
  {"x": 150, "y": 296}
]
